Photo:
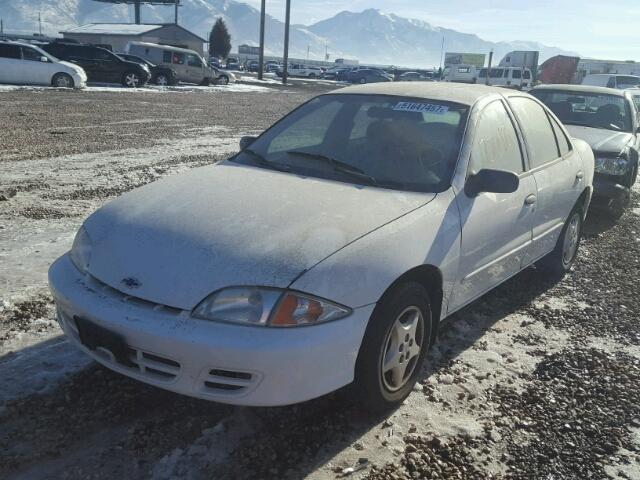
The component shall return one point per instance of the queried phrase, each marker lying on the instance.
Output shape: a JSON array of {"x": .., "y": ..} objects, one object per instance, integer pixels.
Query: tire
[
  {"x": 388, "y": 340},
  {"x": 618, "y": 207},
  {"x": 62, "y": 80},
  {"x": 563, "y": 256},
  {"x": 206, "y": 82},
  {"x": 222, "y": 80},
  {"x": 163, "y": 80},
  {"x": 131, "y": 80},
  {"x": 312, "y": 75},
  {"x": 362, "y": 81}
]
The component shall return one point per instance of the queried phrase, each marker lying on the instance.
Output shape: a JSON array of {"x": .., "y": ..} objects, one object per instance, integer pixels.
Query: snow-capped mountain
[{"x": 370, "y": 35}]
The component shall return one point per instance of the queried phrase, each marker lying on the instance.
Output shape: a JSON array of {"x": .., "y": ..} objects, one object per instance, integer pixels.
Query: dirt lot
[{"x": 537, "y": 380}]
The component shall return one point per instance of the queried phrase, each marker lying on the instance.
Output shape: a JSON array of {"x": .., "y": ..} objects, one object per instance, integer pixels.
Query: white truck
[{"x": 299, "y": 70}]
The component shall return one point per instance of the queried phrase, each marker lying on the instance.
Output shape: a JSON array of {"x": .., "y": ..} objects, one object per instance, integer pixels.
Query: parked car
[
  {"x": 22, "y": 63},
  {"x": 365, "y": 218},
  {"x": 160, "y": 75},
  {"x": 414, "y": 77},
  {"x": 505, "y": 77},
  {"x": 271, "y": 66},
  {"x": 607, "y": 119},
  {"x": 252, "y": 66},
  {"x": 100, "y": 64},
  {"x": 233, "y": 63},
  {"x": 369, "y": 75},
  {"x": 635, "y": 95},
  {"x": 460, "y": 73},
  {"x": 299, "y": 70},
  {"x": 188, "y": 65},
  {"x": 334, "y": 72},
  {"x": 215, "y": 62},
  {"x": 223, "y": 77},
  {"x": 611, "y": 81}
]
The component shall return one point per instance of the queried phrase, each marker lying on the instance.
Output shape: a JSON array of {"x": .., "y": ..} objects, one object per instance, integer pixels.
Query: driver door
[
  {"x": 496, "y": 227},
  {"x": 195, "y": 68},
  {"x": 37, "y": 72}
]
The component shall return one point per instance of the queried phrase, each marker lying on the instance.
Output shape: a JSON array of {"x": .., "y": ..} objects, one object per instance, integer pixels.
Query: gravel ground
[{"x": 537, "y": 380}]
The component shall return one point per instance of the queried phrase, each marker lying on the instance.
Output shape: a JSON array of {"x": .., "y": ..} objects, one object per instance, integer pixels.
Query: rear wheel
[
  {"x": 312, "y": 75},
  {"x": 394, "y": 346},
  {"x": 62, "y": 80},
  {"x": 131, "y": 80},
  {"x": 363, "y": 81},
  {"x": 562, "y": 258}
]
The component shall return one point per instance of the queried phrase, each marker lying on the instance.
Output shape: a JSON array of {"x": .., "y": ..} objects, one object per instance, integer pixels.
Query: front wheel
[
  {"x": 131, "y": 80},
  {"x": 62, "y": 80},
  {"x": 563, "y": 256},
  {"x": 363, "y": 81},
  {"x": 394, "y": 346},
  {"x": 223, "y": 80}
]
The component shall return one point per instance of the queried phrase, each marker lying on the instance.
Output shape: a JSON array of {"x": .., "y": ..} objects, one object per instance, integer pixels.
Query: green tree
[{"x": 219, "y": 40}]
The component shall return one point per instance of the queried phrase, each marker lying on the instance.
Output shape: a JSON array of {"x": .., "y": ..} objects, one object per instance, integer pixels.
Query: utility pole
[
  {"x": 486, "y": 82},
  {"x": 263, "y": 14},
  {"x": 287, "y": 23},
  {"x": 176, "y": 14},
  {"x": 40, "y": 23},
  {"x": 308, "y": 48},
  {"x": 1, "y": 26},
  {"x": 442, "y": 53},
  {"x": 136, "y": 10}
]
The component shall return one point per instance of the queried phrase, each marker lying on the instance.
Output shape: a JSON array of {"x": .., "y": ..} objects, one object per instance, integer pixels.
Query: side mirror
[
  {"x": 246, "y": 141},
  {"x": 494, "y": 181},
  {"x": 44, "y": 59}
]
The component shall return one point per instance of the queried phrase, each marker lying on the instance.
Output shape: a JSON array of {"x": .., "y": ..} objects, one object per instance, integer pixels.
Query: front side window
[
  {"x": 588, "y": 109},
  {"x": 627, "y": 81},
  {"x": 537, "y": 131},
  {"x": 386, "y": 141},
  {"x": 9, "y": 51},
  {"x": 31, "y": 54},
  {"x": 516, "y": 74},
  {"x": 495, "y": 143},
  {"x": 193, "y": 60},
  {"x": 177, "y": 58},
  {"x": 527, "y": 74}
]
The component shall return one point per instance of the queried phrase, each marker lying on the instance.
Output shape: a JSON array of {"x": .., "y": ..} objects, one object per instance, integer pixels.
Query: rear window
[
  {"x": 588, "y": 109},
  {"x": 9, "y": 51}
]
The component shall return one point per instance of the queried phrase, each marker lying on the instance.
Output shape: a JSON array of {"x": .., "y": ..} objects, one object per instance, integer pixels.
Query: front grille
[{"x": 150, "y": 365}]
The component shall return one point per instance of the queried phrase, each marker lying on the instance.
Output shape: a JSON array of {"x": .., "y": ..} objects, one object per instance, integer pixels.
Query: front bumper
[
  {"x": 609, "y": 188},
  {"x": 234, "y": 364}
]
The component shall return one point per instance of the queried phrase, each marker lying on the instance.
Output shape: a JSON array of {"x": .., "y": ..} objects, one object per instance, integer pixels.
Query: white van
[
  {"x": 188, "y": 65},
  {"x": 459, "y": 73},
  {"x": 515, "y": 77},
  {"x": 25, "y": 64},
  {"x": 611, "y": 80}
]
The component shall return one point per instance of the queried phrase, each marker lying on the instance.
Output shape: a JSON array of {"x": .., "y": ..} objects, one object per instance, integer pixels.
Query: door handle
[
  {"x": 530, "y": 200},
  {"x": 579, "y": 175}
]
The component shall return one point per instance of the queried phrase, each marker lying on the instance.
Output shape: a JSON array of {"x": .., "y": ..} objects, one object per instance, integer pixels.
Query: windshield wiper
[
  {"x": 337, "y": 165},
  {"x": 263, "y": 162}
]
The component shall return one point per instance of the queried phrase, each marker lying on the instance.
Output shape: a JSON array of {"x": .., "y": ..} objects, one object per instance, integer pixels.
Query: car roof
[
  {"x": 462, "y": 93},
  {"x": 21, "y": 44},
  {"x": 581, "y": 88}
]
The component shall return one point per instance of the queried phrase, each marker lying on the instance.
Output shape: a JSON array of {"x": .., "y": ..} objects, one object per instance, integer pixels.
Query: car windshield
[
  {"x": 385, "y": 141},
  {"x": 588, "y": 109}
]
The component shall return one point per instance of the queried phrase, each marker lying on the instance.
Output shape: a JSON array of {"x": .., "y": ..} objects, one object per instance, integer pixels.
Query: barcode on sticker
[{"x": 421, "y": 108}]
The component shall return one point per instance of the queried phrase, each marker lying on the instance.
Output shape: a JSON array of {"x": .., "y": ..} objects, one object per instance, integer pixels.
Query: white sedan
[
  {"x": 25, "y": 64},
  {"x": 329, "y": 250}
]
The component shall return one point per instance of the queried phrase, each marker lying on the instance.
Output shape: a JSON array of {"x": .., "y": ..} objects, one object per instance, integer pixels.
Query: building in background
[
  {"x": 455, "y": 58},
  {"x": 115, "y": 36}
]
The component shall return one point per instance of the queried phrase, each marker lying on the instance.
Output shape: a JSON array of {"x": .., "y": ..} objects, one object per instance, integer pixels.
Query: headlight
[
  {"x": 611, "y": 166},
  {"x": 267, "y": 307},
  {"x": 81, "y": 250}
]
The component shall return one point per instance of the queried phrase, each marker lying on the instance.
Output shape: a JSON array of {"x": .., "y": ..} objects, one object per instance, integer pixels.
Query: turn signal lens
[{"x": 296, "y": 309}]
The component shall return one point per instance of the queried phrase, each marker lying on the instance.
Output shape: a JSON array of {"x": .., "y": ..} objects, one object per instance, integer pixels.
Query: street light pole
[
  {"x": 263, "y": 13},
  {"x": 287, "y": 23}
]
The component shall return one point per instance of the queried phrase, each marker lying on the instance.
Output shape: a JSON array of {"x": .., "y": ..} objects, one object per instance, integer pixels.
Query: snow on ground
[{"x": 233, "y": 87}]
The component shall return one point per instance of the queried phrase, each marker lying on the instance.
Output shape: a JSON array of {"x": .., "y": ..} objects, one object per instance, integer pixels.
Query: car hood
[
  {"x": 79, "y": 70},
  {"x": 602, "y": 140},
  {"x": 175, "y": 241}
]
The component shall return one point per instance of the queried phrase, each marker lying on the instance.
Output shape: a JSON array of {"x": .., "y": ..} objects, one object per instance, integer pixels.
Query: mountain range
[{"x": 370, "y": 36}]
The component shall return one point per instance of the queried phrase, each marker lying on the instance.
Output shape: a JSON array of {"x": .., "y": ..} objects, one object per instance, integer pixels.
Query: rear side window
[
  {"x": 496, "y": 144},
  {"x": 9, "y": 51},
  {"x": 563, "y": 142},
  {"x": 166, "y": 56},
  {"x": 537, "y": 131}
]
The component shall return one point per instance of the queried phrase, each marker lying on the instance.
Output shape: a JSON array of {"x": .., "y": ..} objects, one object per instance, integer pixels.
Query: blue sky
[{"x": 593, "y": 28}]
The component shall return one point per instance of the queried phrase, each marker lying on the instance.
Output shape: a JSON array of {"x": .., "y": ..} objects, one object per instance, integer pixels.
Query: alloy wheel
[
  {"x": 402, "y": 348},
  {"x": 571, "y": 239},
  {"x": 131, "y": 80}
]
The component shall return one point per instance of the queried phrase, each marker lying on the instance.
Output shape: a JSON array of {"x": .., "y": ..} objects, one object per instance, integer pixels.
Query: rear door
[
  {"x": 556, "y": 169},
  {"x": 10, "y": 63},
  {"x": 496, "y": 227}
]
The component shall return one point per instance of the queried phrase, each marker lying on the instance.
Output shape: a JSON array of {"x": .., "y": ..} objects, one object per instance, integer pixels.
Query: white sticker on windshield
[{"x": 421, "y": 108}]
